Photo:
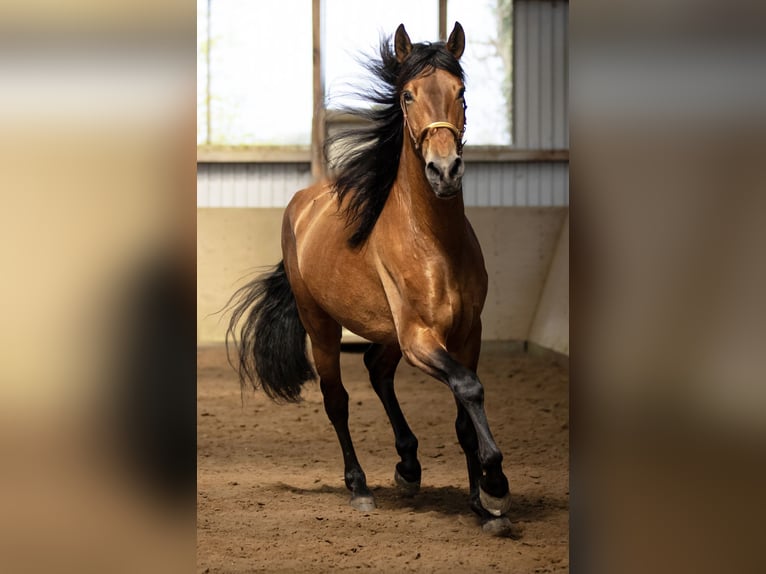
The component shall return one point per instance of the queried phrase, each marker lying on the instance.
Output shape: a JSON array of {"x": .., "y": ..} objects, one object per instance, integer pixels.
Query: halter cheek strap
[{"x": 418, "y": 141}]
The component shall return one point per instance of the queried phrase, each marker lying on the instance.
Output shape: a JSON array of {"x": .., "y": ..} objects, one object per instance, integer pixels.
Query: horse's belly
[{"x": 355, "y": 302}]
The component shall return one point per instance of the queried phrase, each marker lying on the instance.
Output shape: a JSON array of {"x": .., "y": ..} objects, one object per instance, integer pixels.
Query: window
[
  {"x": 254, "y": 83},
  {"x": 488, "y": 66},
  {"x": 254, "y": 78},
  {"x": 354, "y": 29}
]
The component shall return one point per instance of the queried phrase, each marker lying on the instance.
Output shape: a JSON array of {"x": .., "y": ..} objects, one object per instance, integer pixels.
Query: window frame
[{"x": 314, "y": 153}]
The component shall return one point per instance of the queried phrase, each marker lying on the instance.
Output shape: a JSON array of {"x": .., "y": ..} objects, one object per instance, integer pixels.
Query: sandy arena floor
[{"x": 270, "y": 493}]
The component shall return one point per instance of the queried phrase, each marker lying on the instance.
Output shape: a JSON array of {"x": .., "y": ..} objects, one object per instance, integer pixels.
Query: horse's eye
[
  {"x": 408, "y": 99},
  {"x": 461, "y": 94}
]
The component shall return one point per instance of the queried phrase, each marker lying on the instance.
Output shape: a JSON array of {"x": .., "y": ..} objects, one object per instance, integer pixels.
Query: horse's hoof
[
  {"x": 409, "y": 488},
  {"x": 495, "y": 506},
  {"x": 363, "y": 502},
  {"x": 500, "y": 527}
]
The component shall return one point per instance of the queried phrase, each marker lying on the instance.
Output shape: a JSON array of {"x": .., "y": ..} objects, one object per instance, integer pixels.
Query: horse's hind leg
[
  {"x": 326, "y": 351},
  {"x": 381, "y": 362}
]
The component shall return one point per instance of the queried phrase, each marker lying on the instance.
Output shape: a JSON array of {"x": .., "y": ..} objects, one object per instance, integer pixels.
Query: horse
[{"x": 384, "y": 249}]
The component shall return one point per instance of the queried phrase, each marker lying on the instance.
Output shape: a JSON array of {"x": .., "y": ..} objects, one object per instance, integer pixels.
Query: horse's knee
[{"x": 468, "y": 389}]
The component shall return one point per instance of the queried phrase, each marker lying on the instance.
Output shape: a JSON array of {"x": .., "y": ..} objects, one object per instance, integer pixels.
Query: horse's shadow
[{"x": 448, "y": 500}]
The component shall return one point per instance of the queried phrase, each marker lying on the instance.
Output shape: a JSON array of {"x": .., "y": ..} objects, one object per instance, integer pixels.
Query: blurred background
[
  {"x": 97, "y": 164},
  {"x": 668, "y": 227}
]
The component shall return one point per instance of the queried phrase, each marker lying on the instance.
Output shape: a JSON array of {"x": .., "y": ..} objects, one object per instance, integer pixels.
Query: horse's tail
[{"x": 272, "y": 345}]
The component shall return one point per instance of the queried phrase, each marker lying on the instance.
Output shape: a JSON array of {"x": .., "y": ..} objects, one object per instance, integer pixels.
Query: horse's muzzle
[{"x": 446, "y": 176}]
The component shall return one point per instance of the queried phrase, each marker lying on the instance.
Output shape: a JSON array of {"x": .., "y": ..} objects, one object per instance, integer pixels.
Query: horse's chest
[{"x": 441, "y": 299}]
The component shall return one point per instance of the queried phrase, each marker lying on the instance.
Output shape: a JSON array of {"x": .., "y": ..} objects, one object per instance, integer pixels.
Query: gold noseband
[{"x": 418, "y": 141}]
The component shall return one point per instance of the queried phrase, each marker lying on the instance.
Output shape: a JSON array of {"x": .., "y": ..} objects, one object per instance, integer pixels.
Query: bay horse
[{"x": 384, "y": 249}]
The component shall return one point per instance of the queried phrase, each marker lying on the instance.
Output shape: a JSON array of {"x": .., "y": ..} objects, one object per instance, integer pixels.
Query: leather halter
[{"x": 418, "y": 141}]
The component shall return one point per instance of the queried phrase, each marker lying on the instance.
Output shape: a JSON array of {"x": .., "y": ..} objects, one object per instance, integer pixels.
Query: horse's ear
[
  {"x": 402, "y": 44},
  {"x": 456, "y": 41}
]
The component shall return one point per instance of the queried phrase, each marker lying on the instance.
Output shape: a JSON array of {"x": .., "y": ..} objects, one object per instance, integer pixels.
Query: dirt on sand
[{"x": 270, "y": 492}]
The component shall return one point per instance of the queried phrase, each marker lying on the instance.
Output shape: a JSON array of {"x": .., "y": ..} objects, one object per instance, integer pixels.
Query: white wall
[{"x": 550, "y": 327}]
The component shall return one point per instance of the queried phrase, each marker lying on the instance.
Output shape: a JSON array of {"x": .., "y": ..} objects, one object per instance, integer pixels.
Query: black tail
[{"x": 272, "y": 346}]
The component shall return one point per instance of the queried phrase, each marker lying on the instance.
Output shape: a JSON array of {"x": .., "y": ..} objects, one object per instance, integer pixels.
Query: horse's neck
[{"x": 426, "y": 214}]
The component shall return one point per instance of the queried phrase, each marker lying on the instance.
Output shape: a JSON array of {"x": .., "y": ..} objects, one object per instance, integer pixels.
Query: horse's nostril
[
  {"x": 432, "y": 170},
  {"x": 456, "y": 169}
]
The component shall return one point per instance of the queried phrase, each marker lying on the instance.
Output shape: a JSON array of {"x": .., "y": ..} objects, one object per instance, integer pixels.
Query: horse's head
[{"x": 434, "y": 111}]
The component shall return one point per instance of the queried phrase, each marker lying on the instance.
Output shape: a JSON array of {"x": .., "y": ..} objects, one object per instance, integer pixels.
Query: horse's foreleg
[
  {"x": 327, "y": 359},
  {"x": 381, "y": 362},
  {"x": 468, "y": 355},
  {"x": 466, "y": 434},
  {"x": 425, "y": 352}
]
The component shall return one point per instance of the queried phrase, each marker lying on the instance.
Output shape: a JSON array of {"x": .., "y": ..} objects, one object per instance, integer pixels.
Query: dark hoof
[
  {"x": 363, "y": 502},
  {"x": 495, "y": 506},
  {"x": 500, "y": 527},
  {"x": 407, "y": 487}
]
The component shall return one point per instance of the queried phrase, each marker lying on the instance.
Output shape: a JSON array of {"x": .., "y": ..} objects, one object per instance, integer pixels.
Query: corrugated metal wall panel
[
  {"x": 541, "y": 74},
  {"x": 249, "y": 184},
  {"x": 486, "y": 184}
]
